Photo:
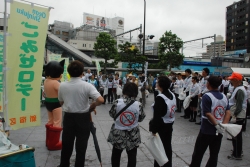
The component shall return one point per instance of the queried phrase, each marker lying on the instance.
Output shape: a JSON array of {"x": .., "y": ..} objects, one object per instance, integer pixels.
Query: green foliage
[
  {"x": 132, "y": 56},
  {"x": 111, "y": 65},
  {"x": 105, "y": 47},
  {"x": 169, "y": 51}
]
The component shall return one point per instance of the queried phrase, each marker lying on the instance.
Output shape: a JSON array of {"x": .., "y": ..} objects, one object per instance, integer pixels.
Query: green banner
[
  {"x": 98, "y": 67},
  {"x": 28, "y": 27},
  {"x": 1, "y": 72}
]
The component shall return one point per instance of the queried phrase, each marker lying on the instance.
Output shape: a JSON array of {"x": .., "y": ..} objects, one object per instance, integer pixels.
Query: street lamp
[{"x": 143, "y": 44}]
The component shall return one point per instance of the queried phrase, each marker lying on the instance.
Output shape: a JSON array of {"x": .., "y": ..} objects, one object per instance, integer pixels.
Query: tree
[
  {"x": 105, "y": 47},
  {"x": 130, "y": 54},
  {"x": 169, "y": 51}
]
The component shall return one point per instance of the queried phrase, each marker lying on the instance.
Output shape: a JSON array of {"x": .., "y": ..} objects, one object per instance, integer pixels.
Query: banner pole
[
  {"x": 38, "y": 4},
  {"x": 5, "y": 98}
]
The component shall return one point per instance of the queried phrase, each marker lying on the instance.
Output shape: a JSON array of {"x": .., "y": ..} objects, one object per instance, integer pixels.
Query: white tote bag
[
  {"x": 118, "y": 91},
  {"x": 155, "y": 147},
  {"x": 187, "y": 102},
  {"x": 105, "y": 91}
]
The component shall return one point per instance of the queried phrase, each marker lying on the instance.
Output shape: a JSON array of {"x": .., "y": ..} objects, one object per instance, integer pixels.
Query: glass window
[
  {"x": 246, "y": 15},
  {"x": 232, "y": 20},
  {"x": 83, "y": 45},
  {"x": 245, "y": 37},
  {"x": 247, "y": 1},
  {"x": 89, "y": 45},
  {"x": 235, "y": 6},
  {"x": 246, "y": 30},
  {"x": 246, "y": 23},
  {"x": 232, "y": 40}
]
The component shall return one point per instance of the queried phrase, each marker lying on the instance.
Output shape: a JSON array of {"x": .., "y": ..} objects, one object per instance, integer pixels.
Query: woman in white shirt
[
  {"x": 103, "y": 84},
  {"x": 193, "y": 92}
]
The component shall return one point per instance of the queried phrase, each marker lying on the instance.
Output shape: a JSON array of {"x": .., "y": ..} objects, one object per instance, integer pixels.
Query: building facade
[
  {"x": 215, "y": 49},
  {"x": 237, "y": 26},
  {"x": 61, "y": 29}
]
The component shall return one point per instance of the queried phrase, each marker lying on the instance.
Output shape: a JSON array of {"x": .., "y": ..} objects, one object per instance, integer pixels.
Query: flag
[{"x": 28, "y": 27}]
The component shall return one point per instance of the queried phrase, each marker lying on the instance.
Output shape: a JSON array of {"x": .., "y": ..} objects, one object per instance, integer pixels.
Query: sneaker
[{"x": 233, "y": 157}]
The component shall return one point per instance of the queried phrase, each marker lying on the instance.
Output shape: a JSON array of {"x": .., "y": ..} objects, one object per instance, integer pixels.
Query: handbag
[{"x": 123, "y": 109}]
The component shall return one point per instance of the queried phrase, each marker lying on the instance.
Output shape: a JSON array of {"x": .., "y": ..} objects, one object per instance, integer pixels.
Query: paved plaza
[{"x": 184, "y": 136}]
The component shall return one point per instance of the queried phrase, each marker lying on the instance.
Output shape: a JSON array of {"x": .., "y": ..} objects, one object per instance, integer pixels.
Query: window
[
  {"x": 57, "y": 32},
  {"x": 247, "y": 1},
  {"x": 232, "y": 20},
  {"x": 232, "y": 40},
  {"x": 65, "y": 33},
  {"x": 89, "y": 45},
  {"x": 246, "y": 30},
  {"x": 83, "y": 45},
  {"x": 245, "y": 37},
  {"x": 246, "y": 15},
  {"x": 246, "y": 23},
  {"x": 235, "y": 6}
]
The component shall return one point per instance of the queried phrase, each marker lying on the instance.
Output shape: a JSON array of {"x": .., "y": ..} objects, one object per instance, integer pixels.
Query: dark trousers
[
  {"x": 178, "y": 102},
  {"x": 225, "y": 90},
  {"x": 187, "y": 110},
  {"x": 101, "y": 92},
  {"x": 116, "y": 157},
  {"x": 237, "y": 141},
  {"x": 114, "y": 93},
  {"x": 155, "y": 94},
  {"x": 166, "y": 136},
  {"x": 75, "y": 126},
  {"x": 110, "y": 95},
  {"x": 202, "y": 142}
]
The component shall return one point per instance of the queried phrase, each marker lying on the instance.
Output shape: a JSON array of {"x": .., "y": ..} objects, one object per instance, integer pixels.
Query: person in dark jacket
[{"x": 164, "y": 116}]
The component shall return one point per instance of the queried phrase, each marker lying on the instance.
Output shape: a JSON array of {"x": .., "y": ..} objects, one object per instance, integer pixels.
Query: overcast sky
[{"x": 189, "y": 19}]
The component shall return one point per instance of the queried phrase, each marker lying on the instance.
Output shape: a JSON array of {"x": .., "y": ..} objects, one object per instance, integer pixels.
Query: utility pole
[{"x": 140, "y": 38}]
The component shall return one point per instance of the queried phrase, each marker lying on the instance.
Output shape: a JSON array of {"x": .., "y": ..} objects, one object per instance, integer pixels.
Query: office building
[{"x": 237, "y": 26}]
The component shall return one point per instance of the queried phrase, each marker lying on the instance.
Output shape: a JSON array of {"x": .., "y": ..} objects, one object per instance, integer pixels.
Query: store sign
[{"x": 196, "y": 61}]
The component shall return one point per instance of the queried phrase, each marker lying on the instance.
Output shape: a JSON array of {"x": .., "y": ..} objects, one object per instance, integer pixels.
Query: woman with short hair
[
  {"x": 164, "y": 116},
  {"x": 125, "y": 132},
  {"x": 194, "y": 92}
]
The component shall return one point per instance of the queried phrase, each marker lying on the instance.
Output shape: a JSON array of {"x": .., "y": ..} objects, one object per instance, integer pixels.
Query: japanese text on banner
[{"x": 28, "y": 26}]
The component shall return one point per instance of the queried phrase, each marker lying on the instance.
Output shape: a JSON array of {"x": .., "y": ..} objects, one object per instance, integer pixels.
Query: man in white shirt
[
  {"x": 225, "y": 83},
  {"x": 178, "y": 88},
  {"x": 187, "y": 84},
  {"x": 203, "y": 86},
  {"x": 74, "y": 98},
  {"x": 88, "y": 74}
]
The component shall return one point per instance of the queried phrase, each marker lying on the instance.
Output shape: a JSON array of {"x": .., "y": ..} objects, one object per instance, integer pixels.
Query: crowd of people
[{"x": 216, "y": 99}]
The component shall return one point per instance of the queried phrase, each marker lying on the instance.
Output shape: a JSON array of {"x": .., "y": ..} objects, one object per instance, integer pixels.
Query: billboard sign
[{"x": 97, "y": 21}]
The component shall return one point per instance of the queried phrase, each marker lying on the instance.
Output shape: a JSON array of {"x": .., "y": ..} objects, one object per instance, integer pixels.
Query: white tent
[{"x": 243, "y": 71}]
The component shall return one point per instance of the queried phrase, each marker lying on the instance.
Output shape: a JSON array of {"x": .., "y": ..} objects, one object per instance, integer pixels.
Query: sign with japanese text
[
  {"x": 57, "y": 57},
  {"x": 28, "y": 26},
  {"x": 1, "y": 72},
  {"x": 98, "y": 67}
]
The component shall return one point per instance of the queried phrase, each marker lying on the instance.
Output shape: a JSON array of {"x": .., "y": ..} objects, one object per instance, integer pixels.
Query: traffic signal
[{"x": 151, "y": 36}]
